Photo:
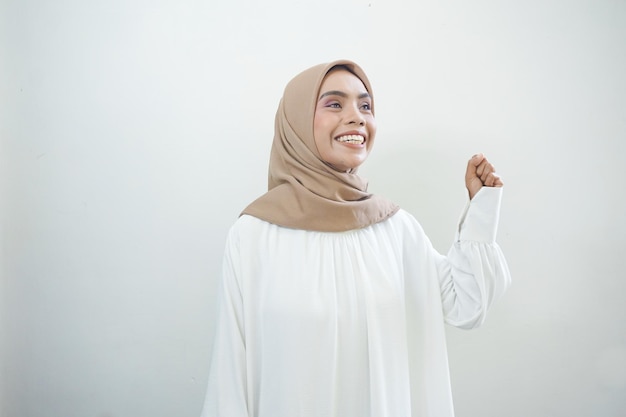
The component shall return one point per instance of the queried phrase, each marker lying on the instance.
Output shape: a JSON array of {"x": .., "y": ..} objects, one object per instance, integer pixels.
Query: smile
[{"x": 356, "y": 139}]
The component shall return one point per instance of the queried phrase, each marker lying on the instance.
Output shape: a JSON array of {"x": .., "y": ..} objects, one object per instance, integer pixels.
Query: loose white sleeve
[
  {"x": 226, "y": 393},
  {"x": 475, "y": 272}
]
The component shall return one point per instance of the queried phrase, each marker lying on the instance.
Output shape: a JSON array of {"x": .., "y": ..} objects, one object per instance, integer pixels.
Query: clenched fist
[{"x": 480, "y": 172}]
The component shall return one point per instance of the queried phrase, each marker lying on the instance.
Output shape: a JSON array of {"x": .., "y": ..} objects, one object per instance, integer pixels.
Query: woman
[{"x": 332, "y": 300}]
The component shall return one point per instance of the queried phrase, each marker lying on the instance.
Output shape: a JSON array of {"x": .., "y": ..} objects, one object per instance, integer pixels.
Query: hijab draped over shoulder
[{"x": 303, "y": 191}]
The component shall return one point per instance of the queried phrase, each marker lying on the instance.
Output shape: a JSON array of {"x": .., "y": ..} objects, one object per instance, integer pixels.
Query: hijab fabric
[{"x": 303, "y": 191}]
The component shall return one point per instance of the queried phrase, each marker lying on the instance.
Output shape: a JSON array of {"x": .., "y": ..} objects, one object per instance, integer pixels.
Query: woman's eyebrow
[{"x": 341, "y": 94}]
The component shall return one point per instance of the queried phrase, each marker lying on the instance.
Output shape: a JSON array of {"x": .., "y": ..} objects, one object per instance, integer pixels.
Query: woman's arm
[
  {"x": 227, "y": 393},
  {"x": 475, "y": 273}
]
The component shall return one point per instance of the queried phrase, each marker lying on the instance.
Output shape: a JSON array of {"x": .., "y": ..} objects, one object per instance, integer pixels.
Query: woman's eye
[
  {"x": 334, "y": 105},
  {"x": 366, "y": 106}
]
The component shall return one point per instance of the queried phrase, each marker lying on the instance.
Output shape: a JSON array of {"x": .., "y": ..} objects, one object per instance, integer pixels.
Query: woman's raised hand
[{"x": 480, "y": 172}]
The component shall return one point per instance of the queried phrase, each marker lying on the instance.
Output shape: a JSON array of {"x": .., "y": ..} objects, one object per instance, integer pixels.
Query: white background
[{"x": 134, "y": 132}]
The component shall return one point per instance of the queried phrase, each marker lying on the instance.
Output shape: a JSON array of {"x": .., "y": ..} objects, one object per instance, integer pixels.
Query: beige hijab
[{"x": 303, "y": 191}]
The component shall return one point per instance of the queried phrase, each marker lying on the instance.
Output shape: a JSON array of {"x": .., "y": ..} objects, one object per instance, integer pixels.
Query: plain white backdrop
[{"x": 134, "y": 132}]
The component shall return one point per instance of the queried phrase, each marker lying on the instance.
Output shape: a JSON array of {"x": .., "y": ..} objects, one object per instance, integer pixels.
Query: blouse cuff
[{"x": 479, "y": 221}]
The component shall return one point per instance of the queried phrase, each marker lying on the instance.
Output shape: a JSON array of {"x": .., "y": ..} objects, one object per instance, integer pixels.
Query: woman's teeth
[{"x": 351, "y": 139}]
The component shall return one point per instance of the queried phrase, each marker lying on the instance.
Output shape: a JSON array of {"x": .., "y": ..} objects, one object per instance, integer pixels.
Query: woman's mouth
[{"x": 353, "y": 139}]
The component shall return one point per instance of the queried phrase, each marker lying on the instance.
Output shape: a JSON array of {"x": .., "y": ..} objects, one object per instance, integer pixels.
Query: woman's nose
[{"x": 355, "y": 116}]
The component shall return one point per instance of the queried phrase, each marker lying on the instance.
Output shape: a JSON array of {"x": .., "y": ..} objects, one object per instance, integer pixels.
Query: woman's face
[{"x": 344, "y": 126}]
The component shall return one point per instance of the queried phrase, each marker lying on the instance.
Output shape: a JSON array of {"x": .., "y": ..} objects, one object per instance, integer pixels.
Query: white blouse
[{"x": 348, "y": 324}]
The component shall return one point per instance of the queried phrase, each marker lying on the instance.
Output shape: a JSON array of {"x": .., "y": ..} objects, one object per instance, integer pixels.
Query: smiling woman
[
  {"x": 333, "y": 301},
  {"x": 344, "y": 126}
]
